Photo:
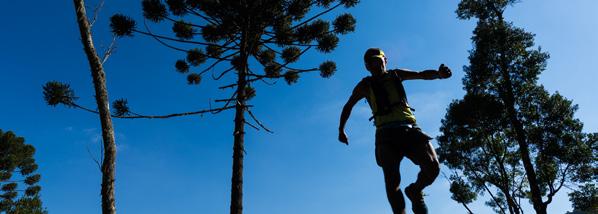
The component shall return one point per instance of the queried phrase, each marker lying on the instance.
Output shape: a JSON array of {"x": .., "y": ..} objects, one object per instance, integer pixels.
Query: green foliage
[
  {"x": 17, "y": 157},
  {"x": 291, "y": 77},
  {"x": 58, "y": 93},
  {"x": 183, "y": 30},
  {"x": 344, "y": 23},
  {"x": 177, "y": 7},
  {"x": 249, "y": 92},
  {"x": 327, "y": 69},
  {"x": 585, "y": 199},
  {"x": 461, "y": 191},
  {"x": 290, "y": 54},
  {"x": 213, "y": 51},
  {"x": 193, "y": 79},
  {"x": 196, "y": 57},
  {"x": 181, "y": 66},
  {"x": 272, "y": 70},
  {"x": 154, "y": 10},
  {"x": 122, "y": 25},
  {"x": 120, "y": 108}
]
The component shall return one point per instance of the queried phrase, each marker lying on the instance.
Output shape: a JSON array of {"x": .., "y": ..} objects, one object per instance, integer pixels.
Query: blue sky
[{"x": 183, "y": 165}]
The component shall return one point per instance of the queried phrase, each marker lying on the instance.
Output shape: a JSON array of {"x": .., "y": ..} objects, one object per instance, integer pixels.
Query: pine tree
[
  {"x": 18, "y": 180},
  {"x": 508, "y": 133}
]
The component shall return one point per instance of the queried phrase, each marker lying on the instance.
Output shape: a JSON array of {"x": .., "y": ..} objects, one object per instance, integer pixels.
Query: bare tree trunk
[
  {"x": 99, "y": 82},
  {"x": 236, "y": 206}
]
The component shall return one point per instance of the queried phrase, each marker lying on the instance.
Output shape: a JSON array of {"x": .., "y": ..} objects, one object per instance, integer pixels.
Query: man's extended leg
[
  {"x": 392, "y": 179},
  {"x": 425, "y": 157}
]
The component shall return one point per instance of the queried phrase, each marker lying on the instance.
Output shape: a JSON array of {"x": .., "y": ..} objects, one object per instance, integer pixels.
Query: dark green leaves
[
  {"x": 154, "y": 10},
  {"x": 177, "y": 7},
  {"x": 59, "y": 93},
  {"x": 122, "y": 25},
  {"x": 181, "y": 66},
  {"x": 266, "y": 56},
  {"x": 183, "y": 30},
  {"x": 327, "y": 69},
  {"x": 291, "y": 54},
  {"x": 298, "y": 8},
  {"x": 344, "y": 23},
  {"x": 272, "y": 70},
  {"x": 461, "y": 191},
  {"x": 291, "y": 77},
  {"x": 212, "y": 33},
  {"x": 193, "y": 79},
  {"x": 196, "y": 57},
  {"x": 213, "y": 51},
  {"x": 327, "y": 43},
  {"x": 249, "y": 92},
  {"x": 17, "y": 157},
  {"x": 120, "y": 108},
  {"x": 349, "y": 3}
]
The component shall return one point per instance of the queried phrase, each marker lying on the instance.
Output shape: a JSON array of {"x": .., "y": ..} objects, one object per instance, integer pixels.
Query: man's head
[{"x": 375, "y": 61}]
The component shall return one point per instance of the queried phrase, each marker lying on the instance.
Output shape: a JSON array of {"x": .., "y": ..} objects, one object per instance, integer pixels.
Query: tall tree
[
  {"x": 266, "y": 35},
  {"x": 17, "y": 170},
  {"x": 59, "y": 93},
  {"x": 508, "y": 131}
]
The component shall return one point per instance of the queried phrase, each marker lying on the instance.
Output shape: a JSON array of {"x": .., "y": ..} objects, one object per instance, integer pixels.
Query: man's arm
[
  {"x": 358, "y": 94},
  {"x": 443, "y": 72}
]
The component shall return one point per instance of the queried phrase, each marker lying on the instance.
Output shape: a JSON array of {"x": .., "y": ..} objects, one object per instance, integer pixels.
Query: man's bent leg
[
  {"x": 422, "y": 154},
  {"x": 392, "y": 179},
  {"x": 428, "y": 165}
]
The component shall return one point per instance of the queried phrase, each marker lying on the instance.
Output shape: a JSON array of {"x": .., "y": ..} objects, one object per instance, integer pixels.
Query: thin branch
[
  {"x": 137, "y": 116},
  {"x": 258, "y": 121},
  {"x": 252, "y": 126},
  {"x": 222, "y": 74},
  {"x": 96, "y": 12},
  {"x": 93, "y": 158},
  {"x": 207, "y": 18},
  {"x": 109, "y": 50},
  {"x": 181, "y": 40}
]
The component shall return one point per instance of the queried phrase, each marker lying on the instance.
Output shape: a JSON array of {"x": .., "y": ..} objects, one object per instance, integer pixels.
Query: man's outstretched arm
[
  {"x": 357, "y": 95},
  {"x": 443, "y": 72}
]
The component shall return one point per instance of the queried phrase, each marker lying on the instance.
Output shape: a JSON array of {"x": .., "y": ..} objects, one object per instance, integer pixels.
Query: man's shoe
[{"x": 417, "y": 200}]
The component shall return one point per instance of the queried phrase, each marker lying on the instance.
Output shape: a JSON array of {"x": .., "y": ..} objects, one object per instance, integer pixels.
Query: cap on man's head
[{"x": 373, "y": 53}]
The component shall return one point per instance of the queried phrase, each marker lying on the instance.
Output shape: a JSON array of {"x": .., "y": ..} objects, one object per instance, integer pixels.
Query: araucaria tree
[
  {"x": 258, "y": 39},
  {"x": 18, "y": 180},
  {"x": 59, "y": 93},
  {"x": 508, "y": 136}
]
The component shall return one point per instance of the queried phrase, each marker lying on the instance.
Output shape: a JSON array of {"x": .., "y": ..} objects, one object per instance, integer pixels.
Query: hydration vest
[{"x": 388, "y": 100}]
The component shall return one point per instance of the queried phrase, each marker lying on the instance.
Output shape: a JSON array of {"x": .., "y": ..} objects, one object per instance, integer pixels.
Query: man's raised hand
[{"x": 444, "y": 72}]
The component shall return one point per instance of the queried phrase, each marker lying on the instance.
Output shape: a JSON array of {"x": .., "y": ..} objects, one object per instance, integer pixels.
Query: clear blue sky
[{"x": 183, "y": 165}]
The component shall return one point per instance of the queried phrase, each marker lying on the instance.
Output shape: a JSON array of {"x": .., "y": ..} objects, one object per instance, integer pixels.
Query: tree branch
[{"x": 137, "y": 116}]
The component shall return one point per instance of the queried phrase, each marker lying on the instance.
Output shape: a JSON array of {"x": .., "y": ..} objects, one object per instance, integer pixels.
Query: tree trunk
[
  {"x": 99, "y": 82},
  {"x": 509, "y": 100},
  {"x": 236, "y": 206}
]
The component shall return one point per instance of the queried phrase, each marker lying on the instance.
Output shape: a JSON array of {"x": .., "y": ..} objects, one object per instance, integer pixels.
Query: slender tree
[
  {"x": 508, "y": 131},
  {"x": 18, "y": 179},
  {"x": 59, "y": 93}
]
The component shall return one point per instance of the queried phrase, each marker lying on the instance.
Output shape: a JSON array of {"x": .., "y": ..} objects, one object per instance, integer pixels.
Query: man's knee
[{"x": 431, "y": 169}]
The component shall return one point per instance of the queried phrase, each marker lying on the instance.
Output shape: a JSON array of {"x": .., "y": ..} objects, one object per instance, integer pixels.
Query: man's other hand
[
  {"x": 342, "y": 137},
  {"x": 444, "y": 72}
]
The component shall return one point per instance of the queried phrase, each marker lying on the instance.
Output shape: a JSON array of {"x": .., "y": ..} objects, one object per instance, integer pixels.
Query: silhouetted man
[{"x": 397, "y": 134}]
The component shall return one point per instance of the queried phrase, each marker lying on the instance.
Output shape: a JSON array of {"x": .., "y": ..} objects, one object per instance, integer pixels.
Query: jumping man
[{"x": 397, "y": 134}]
